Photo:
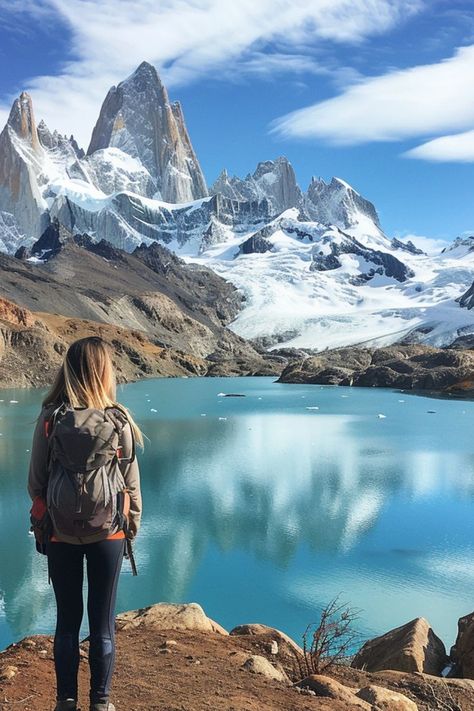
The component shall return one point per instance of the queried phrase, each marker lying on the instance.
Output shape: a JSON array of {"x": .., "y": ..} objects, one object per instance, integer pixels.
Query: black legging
[{"x": 65, "y": 561}]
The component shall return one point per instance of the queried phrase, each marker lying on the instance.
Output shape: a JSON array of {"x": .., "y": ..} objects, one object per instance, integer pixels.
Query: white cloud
[
  {"x": 423, "y": 100},
  {"x": 430, "y": 245},
  {"x": 457, "y": 148},
  {"x": 187, "y": 39}
]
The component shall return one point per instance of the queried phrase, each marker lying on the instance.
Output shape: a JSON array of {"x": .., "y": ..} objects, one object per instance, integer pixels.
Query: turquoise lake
[{"x": 262, "y": 508}]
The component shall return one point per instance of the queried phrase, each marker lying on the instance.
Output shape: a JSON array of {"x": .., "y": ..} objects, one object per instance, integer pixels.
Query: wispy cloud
[
  {"x": 457, "y": 148},
  {"x": 423, "y": 100},
  {"x": 187, "y": 39}
]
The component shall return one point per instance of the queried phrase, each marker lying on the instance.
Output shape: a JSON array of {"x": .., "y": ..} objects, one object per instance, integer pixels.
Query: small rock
[
  {"x": 325, "y": 686},
  {"x": 43, "y": 653},
  {"x": 260, "y": 665},
  {"x": 273, "y": 647},
  {"x": 8, "y": 672},
  {"x": 169, "y": 643},
  {"x": 29, "y": 643},
  {"x": 385, "y": 699}
]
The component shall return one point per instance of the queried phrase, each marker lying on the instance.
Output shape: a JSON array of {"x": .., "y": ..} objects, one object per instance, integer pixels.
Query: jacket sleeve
[
  {"x": 38, "y": 471},
  {"x": 132, "y": 481}
]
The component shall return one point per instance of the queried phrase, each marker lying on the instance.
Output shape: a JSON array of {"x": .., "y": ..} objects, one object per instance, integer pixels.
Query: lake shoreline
[
  {"x": 441, "y": 394},
  {"x": 179, "y": 651}
]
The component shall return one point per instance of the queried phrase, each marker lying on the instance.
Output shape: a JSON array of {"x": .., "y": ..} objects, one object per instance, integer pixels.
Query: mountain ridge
[{"x": 315, "y": 268}]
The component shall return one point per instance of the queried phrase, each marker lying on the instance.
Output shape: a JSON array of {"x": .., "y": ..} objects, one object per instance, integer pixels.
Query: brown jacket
[{"x": 38, "y": 472}]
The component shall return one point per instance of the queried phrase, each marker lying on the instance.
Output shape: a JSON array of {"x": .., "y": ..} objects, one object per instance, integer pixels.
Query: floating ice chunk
[
  {"x": 381, "y": 417},
  {"x": 152, "y": 409},
  {"x": 220, "y": 394},
  {"x": 344, "y": 395},
  {"x": 259, "y": 398},
  {"x": 312, "y": 407},
  {"x": 223, "y": 418},
  {"x": 203, "y": 414},
  {"x": 13, "y": 401},
  {"x": 401, "y": 401}
]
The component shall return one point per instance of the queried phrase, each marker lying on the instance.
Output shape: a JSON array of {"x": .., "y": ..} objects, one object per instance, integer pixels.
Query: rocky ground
[
  {"x": 174, "y": 658},
  {"x": 413, "y": 367}
]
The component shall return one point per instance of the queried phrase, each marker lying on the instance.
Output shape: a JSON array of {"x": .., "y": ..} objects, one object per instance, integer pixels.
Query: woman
[{"x": 79, "y": 417}]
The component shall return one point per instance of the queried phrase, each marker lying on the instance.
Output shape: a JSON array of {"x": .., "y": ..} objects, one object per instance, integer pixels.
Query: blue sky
[{"x": 378, "y": 92}]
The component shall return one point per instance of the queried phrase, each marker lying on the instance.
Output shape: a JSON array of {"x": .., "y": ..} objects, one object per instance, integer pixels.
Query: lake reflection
[{"x": 263, "y": 508}]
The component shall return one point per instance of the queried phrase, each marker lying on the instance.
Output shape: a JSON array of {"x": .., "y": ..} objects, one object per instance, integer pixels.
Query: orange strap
[{"x": 110, "y": 537}]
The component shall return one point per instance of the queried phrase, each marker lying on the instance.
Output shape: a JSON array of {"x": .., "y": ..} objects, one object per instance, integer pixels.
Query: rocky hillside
[
  {"x": 161, "y": 316},
  {"x": 172, "y": 657},
  {"x": 413, "y": 367}
]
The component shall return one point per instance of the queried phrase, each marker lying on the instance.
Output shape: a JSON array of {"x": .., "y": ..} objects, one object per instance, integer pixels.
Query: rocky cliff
[
  {"x": 21, "y": 157},
  {"x": 138, "y": 118}
]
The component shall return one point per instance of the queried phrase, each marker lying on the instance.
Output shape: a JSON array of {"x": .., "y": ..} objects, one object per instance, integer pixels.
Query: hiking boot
[
  {"x": 66, "y": 705},
  {"x": 102, "y": 707}
]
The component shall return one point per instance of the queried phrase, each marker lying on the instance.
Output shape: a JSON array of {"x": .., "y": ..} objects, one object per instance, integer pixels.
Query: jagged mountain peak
[
  {"x": 145, "y": 70},
  {"x": 272, "y": 180},
  {"x": 22, "y": 120},
  {"x": 137, "y": 118},
  {"x": 338, "y": 203},
  {"x": 56, "y": 142}
]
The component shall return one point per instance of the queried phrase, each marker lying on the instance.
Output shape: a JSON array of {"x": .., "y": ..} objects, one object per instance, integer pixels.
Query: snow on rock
[
  {"x": 316, "y": 269},
  {"x": 273, "y": 181},
  {"x": 337, "y": 203},
  {"x": 138, "y": 118},
  {"x": 110, "y": 170}
]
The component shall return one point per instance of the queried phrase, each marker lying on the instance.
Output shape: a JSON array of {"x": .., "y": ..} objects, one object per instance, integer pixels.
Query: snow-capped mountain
[
  {"x": 315, "y": 267},
  {"x": 155, "y": 134},
  {"x": 274, "y": 181}
]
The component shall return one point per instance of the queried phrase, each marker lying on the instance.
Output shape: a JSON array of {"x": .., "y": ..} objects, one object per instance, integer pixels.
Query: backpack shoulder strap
[{"x": 120, "y": 419}]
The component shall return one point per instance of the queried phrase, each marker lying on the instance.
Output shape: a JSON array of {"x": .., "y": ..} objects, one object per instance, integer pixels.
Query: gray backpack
[{"x": 86, "y": 494}]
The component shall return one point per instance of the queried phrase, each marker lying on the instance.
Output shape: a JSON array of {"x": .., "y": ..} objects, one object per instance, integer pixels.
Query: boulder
[
  {"x": 463, "y": 651},
  {"x": 170, "y": 616},
  {"x": 413, "y": 647},
  {"x": 258, "y": 629},
  {"x": 260, "y": 665},
  {"x": 385, "y": 699},
  {"x": 332, "y": 689}
]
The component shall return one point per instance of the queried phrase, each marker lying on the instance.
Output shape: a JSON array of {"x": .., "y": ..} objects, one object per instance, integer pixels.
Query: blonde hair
[{"x": 87, "y": 379}]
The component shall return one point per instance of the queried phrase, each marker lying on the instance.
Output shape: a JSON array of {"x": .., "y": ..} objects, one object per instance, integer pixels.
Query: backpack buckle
[{"x": 119, "y": 453}]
